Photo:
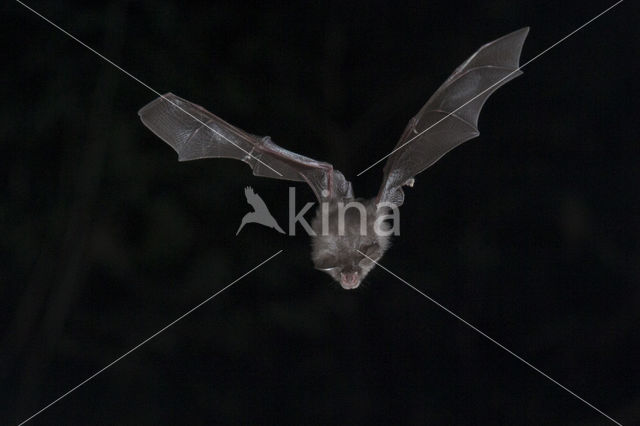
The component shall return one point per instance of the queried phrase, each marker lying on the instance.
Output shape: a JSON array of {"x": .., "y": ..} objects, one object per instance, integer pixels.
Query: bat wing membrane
[
  {"x": 493, "y": 65},
  {"x": 195, "y": 133}
]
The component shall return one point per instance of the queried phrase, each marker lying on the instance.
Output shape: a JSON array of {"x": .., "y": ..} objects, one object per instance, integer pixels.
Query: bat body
[
  {"x": 340, "y": 245},
  {"x": 349, "y": 242}
]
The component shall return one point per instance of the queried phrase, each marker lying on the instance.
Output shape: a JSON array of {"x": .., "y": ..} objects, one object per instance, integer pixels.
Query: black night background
[{"x": 530, "y": 232}]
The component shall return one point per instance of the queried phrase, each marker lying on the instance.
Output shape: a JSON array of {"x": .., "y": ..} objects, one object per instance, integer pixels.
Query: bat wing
[
  {"x": 194, "y": 133},
  {"x": 451, "y": 114}
]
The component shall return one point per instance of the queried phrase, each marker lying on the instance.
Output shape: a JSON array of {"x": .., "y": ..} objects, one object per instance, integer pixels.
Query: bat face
[{"x": 340, "y": 246}]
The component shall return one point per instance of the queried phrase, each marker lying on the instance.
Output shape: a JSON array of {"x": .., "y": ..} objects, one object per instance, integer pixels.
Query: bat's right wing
[
  {"x": 450, "y": 117},
  {"x": 194, "y": 133}
]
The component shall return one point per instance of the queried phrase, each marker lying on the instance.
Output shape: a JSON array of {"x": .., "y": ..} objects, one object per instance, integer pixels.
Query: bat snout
[{"x": 349, "y": 280}]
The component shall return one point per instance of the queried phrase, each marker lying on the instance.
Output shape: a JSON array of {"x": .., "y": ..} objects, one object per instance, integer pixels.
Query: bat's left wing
[
  {"x": 194, "y": 133},
  {"x": 451, "y": 114}
]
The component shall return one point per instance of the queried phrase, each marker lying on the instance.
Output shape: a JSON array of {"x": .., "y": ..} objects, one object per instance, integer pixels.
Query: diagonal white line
[
  {"x": 148, "y": 338},
  {"x": 483, "y": 334},
  {"x": 495, "y": 84},
  {"x": 144, "y": 84}
]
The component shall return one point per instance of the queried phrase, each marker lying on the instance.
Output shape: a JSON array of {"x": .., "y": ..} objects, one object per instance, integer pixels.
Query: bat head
[
  {"x": 349, "y": 266},
  {"x": 347, "y": 252}
]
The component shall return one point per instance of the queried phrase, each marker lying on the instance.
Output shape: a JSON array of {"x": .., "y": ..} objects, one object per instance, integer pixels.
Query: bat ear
[
  {"x": 372, "y": 253},
  {"x": 326, "y": 263},
  {"x": 372, "y": 250}
]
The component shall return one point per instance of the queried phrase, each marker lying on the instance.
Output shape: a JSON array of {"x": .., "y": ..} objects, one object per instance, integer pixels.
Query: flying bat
[{"x": 347, "y": 245}]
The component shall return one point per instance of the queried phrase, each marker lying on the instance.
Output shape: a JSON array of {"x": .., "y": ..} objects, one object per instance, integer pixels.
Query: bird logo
[{"x": 260, "y": 213}]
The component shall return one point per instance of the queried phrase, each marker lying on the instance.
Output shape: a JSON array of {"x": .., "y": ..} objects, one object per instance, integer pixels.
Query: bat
[{"x": 348, "y": 244}]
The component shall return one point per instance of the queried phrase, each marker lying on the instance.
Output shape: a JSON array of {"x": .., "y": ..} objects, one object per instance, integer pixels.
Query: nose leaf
[{"x": 349, "y": 280}]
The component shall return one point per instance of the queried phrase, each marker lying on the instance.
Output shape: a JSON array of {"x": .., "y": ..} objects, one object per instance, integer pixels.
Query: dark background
[{"x": 530, "y": 232}]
